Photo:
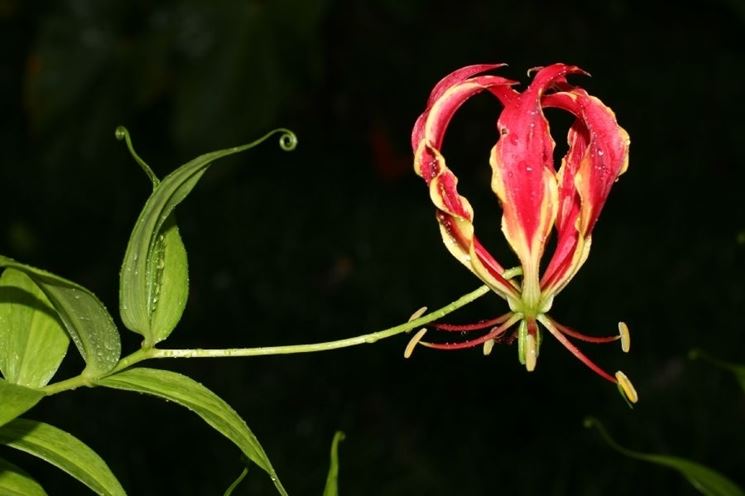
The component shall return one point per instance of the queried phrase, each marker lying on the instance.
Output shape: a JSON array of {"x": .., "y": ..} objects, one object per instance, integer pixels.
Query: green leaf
[
  {"x": 708, "y": 482},
  {"x": 153, "y": 279},
  {"x": 736, "y": 369},
  {"x": 170, "y": 286},
  {"x": 332, "y": 484},
  {"x": 85, "y": 318},
  {"x": 16, "y": 400},
  {"x": 62, "y": 450},
  {"x": 32, "y": 339},
  {"x": 16, "y": 482},
  {"x": 188, "y": 393}
]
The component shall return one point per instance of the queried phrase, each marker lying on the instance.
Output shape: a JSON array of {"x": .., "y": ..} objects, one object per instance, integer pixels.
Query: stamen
[
  {"x": 553, "y": 329},
  {"x": 478, "y": 326},
  {"x": 492, "y": 265},
  {"x": 626, "y": 388},
  {"x": 522, "y": 333},
  {"x": 488, "y": 346},
  {"x": 531, "y": 352},
  {"x": 417, "y": 314},
  {"x": 623, "y": 331},
  {"x": 512, "y": 273},
  {"x": 493, "y": 334},
  {"x": 584, "y": 337},
  {"x": 414, "y": 341}
]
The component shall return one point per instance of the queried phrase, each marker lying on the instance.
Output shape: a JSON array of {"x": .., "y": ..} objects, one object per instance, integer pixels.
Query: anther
[
  {"x": 418, "y": 314},
  {"x": 626, "y": 388},
  {"x": 531, "y": 352},
  {"x": 488, "y": 346},
  {"x": 414, "y": 341},
  {"x": 623, "y": 331}
]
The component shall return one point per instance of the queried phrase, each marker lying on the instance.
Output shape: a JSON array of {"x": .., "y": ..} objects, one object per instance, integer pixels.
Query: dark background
[{"x": 338, "y": 237}]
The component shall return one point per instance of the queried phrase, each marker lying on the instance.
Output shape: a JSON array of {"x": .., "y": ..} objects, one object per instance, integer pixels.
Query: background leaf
[
  {"x": 16, "y": 482},
  {"x": 737, "y": 370},
  {"x": 62, "y": 450},
  {"x": 189, "y": 393},
  {"x": 332, "y": 480},
  {"x": 85, "y": 318},
  {"x": 154, "y": 269},
  {"x": 32, "y": 339},
  {"x": 709, "y": 482},
  {"x": 15, "y": 400},
  {"x": 236, "y": 482}
]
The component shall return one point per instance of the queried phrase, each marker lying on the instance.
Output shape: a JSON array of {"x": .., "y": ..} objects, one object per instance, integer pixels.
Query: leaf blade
[
  {"x": 15, "y": 400},
  {"x": 16, "y": 482},
  {"x": 139, "y": 280},
  {"x": 191, "y": 394},
  {"x": 332, "y": 479},
  {"x": 737, "y": 370},
  {"x": 33, "y": 342},
  {"x": 64, "y": 451},
  {"x": 706, "y": 480},
  {"x": 85, "y": 318},
  {"x": 170, "y": 289}
]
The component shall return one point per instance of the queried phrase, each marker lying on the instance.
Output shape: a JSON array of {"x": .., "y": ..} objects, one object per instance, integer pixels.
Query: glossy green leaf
[
  {"x": 16, "y": 482},
  {"x": 15, "y": 400},
  {"x": 189, "y": 393},
  {"x": 153, "y": 278},
  {"x": 169, "y": 289},
  {"x": 166, "y": 277},
  {"x": 32, "y": 339},
  {"x": 85, "y": 318},
  {"x": 332, "y": 479},
  {"x": 737, "y": 370},
  {"x": 708, "y": 482},
  {"x": 62, "y": 450}
]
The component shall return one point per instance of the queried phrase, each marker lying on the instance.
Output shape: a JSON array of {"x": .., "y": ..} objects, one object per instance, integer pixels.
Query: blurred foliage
[{"x": 339, "y": 237}]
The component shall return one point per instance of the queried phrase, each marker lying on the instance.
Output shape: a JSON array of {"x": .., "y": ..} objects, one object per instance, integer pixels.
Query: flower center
[{"x": 532, "y": 309}]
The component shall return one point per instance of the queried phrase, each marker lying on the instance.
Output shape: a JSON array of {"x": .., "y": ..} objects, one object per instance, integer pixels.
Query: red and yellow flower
[{"x": 535, "y": 196}]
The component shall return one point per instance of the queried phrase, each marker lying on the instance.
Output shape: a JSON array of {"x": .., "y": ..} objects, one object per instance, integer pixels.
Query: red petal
[
  {"x": 598, "y": 154},
  {"x": 458, "y": 76},
  {"x": 455, "y": 214},
  {"x": 524, "y": 175}
]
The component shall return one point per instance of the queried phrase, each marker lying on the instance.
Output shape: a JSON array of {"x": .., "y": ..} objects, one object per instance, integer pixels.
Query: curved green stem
[{"x": 149, "y": 353}]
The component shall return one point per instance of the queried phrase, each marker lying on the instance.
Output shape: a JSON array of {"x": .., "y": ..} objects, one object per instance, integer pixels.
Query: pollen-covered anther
[
  {"x": 414, "y": 341},
  {"x": 623, "y": 331},
  {"x": 418, "y": 314},
  {"x": 488, "y": 346},
  {"x": 626, "y": 388}
]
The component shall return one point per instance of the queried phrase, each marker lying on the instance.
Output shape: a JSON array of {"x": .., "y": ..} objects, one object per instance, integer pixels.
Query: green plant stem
[{"x": 150, "y": 353}]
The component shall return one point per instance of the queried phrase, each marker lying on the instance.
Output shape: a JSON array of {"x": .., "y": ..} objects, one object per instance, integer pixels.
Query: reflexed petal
[
  {"x": 457, "y": 76},
  {"x": 524, "y": 177},
  {"x": 598, "y": 154},
  {"x": 455, "y": 214},
  {"x": 605, "y": 152}
]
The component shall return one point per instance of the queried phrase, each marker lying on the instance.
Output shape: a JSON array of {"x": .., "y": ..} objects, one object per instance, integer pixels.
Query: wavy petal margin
[
  {"x": 455, "y": 214},
  {"x": 598, "y": 155}
]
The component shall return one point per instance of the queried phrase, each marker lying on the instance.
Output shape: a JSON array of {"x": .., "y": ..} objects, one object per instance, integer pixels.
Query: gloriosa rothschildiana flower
[{"x": 534, "y": 196}]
